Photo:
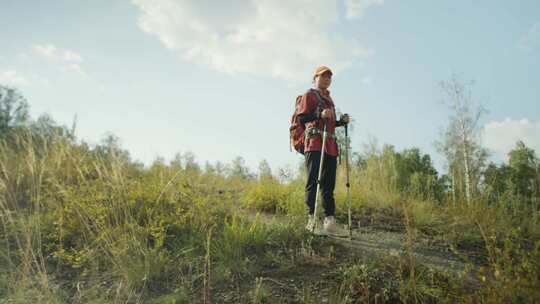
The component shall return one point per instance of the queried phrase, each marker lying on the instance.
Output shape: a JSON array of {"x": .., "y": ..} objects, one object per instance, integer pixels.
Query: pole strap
[{"x": 312, "y": 131}]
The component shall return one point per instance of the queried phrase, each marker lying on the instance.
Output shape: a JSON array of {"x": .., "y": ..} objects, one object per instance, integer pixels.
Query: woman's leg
[
  {"x": 328, "y": 183},
  {"x": 312, "y": 165}
]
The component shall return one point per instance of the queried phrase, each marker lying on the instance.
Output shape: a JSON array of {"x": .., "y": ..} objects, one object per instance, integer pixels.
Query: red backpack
[{"x": 297, "y": 129}]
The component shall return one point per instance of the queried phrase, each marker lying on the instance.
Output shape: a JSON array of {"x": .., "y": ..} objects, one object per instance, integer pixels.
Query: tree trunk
[
  {"x": 466, "y": 163},
  {"x": 454, "y": 186},
  {"x": 467, "y": 175}
]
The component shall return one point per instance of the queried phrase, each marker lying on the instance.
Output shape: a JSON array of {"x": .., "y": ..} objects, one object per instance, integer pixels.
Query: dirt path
[
  {"x": 380, "y": 247},
  {"x": 375, "y": 242}
]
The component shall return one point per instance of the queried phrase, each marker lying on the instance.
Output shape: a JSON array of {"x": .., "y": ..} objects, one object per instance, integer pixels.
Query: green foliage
[
  {"x": 94, "y": 216},
  {"x": 179, "y": 296},
  {"x": 237, "y": 239},
  {"x": 13, "y": 110},
  {"x": 239, "y": 169},
  {"x": 240, "y": 240},
  {"x": 364, "y": 283},
  {"x": 386, "y": 175},
  {"x": 265, "y": 195},
  {"x": 260, "y": 293},
  {"x": 523, "y": 162},
  {"x": 87, "y": 224},
  {"x": 425, "y": 214},
  {"x": 496, "y": 181},
  {"x": 516, "y": 184},
  {"x": 513, "y": 273},
  {"x": 269, "y": 195}
]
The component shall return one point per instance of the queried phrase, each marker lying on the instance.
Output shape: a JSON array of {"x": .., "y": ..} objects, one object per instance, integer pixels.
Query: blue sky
[{"x": 220, "y": 80}]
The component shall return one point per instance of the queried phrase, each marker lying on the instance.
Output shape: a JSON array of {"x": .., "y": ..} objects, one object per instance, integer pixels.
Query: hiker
[{"x": 314, "y": 111}]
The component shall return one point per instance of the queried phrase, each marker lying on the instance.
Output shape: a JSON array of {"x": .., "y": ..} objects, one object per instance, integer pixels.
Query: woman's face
[{"x": 323, "y": 81}]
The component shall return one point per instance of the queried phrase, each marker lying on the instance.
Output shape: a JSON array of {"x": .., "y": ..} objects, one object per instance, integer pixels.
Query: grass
[{"x": 87, "y": 225}]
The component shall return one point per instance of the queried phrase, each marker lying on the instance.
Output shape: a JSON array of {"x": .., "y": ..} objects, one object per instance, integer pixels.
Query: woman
[{"x": 317, "y": 109}]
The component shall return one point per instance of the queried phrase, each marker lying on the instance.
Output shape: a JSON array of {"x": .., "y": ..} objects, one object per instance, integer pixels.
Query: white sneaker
[
  {"x": 311, "y": 223},
  {"x": 330, "y": 227}
]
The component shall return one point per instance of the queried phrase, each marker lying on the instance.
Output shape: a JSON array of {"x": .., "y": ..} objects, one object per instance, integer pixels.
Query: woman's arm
[{"x": 305, "y": 118}]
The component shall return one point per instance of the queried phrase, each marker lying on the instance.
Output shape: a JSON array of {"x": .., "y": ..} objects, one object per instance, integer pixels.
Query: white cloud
[
  {"x": 46, "y": 50},
  {"x": 281, "y": 39},
  {"x": 530, "y": 41},
  {"x": 74, "y": 67},
  {"x": 72, "y": 56},
  {"x": 68, "y": 60},
  {"x": 13, "y": 79},
  {"x": 357, "y": 8},
  {"x": 501, "y": 137}
]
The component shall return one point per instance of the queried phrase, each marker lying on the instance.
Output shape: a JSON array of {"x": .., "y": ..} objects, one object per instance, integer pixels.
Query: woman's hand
[
  {"x": 344, "y": 118},
  {"x": 326, "y": 113}
]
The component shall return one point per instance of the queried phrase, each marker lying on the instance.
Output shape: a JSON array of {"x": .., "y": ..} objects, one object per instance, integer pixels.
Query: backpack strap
[{"x": 320, "y": 101}]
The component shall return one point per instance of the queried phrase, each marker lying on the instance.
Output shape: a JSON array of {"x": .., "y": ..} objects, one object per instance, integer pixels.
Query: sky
[{"x": 220, "y": 78}]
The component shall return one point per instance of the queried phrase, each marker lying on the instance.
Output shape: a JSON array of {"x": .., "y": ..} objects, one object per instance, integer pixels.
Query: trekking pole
[
  {"x": 321, "y": 163},
  {"x": 347, "y": 178}
]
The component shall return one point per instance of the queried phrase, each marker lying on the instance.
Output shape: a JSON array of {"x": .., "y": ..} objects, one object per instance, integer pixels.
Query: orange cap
[{"x": 321, "y": 70}]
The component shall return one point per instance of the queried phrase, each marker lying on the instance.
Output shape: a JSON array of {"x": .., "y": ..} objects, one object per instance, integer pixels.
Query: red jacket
[{"x": 308, "y": 105}]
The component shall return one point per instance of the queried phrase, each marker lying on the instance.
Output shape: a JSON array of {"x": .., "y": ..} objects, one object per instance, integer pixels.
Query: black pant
[{"x": 328, "y": 181}]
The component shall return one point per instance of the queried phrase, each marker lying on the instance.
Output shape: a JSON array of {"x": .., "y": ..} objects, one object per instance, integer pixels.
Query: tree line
[{"x": 470, "y": 177}]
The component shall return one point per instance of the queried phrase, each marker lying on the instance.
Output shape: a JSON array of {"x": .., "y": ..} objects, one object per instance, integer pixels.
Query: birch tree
[{"x": 460, "y": 141}]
